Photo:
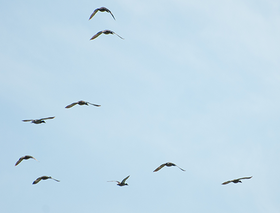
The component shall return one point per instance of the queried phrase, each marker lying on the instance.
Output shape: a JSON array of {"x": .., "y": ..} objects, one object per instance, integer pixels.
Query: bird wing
[
  {"x": 27, "y": 120},
  {"x": 160, "y": 167},
  {"x": 19, "y": 160},
  {"x": 47, "y": 118},
  {"x": 55, "y": 179},
  {"x": 97, "y": 105},
  {"x": 114, "y": 181},
  {"x": 94, "y": 12},
  {"x": 123, "y": 181},
  {"x": 96, "y": 35},
  {"x": 111, "y": 14},
  {"x": 118, "y": 35},
  {"x": 245, "y": 178},
  {"x": 71, "y": 105},
  {"x": 37, "y": 180},
  {"x": 180, "y": 168},
  {"x": 227, "y": 182},
  {"x": 33, "y": 158}
]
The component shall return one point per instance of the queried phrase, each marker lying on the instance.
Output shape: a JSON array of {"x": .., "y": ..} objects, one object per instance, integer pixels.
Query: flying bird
[
  {"x": 26, "y": 157},
  {"x": 238, "y": 180},
  {"x": 101, "y": 9},
  {"x": 104, "y": 32},
  {"x": 38, "y": 121},
  {"x": 168, "y": 165},
  {"x": 123, "y": 183},
  {"x": 81, "y": 103},
  {"x": 43, "y": 178}
]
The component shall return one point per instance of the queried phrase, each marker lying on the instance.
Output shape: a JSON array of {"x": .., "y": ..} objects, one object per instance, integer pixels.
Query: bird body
[
  {"x": 106, "y": 32},
  {"x": 238, "y": 180},
  {"x": 38, "y": 121},
  {"x": 81, "y": 103},
  {"x": 123, "y": 183},
  {"x": 168, "y": 164},
  {"x": 26, "y": 157},
  {"x": 43, "y": 178},
  {"x": 101, "y": 9}
]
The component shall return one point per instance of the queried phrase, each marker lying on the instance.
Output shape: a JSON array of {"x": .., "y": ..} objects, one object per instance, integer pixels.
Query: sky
[{"x": 194, "y": 82}]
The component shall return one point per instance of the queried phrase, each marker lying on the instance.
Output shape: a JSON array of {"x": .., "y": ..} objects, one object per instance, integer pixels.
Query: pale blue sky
[{"x": 194, "y": 82}]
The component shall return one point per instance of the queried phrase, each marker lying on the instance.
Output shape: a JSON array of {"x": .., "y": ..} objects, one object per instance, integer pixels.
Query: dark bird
[
  {"x": 123, "y": 183},
  {"x": 26, "y": 157},
  {"x": 43, "y": 178},
  {"x": 38, "y": 121},
  {"x": 167, "y": 164},
  {"x": 238, "y": 180},
  {"x": 104, "y": 32},
  {"x": 101, "y": 9},
  {"x": 81, "y": 103}
]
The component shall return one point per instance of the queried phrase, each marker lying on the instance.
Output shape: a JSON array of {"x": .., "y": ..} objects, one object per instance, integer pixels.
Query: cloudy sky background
[{"x": 196, "y": 83}]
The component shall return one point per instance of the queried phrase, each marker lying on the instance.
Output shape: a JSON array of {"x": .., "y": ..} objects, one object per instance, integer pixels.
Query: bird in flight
[
  {"x": 123, "y": 183},
  {"x": 104, "y": 32},
  {"x": 81, "y": 103},
  {"x": 168, "y": 165},
  {"x": 238, "y": 180},
  {"x": 101, "y": 9},
  {"x": 38, "y": 121},
  {"x": 26, "y": 157},
  {"x": 43, "y": 178}
]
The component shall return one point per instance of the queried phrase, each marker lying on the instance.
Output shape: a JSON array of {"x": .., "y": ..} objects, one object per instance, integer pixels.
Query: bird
[
  {"x": 38, "y": 121},
  {"x": 104, "y": 32},
  {"x": 81, "y": 103},
  {"x": 101, "y": 9},
  {"x": 43, "y": 178},
  {"x": 26, "y": 157},
  {"x": 123, "y": 183},
  {"x": 238, "y": 180},
  {"x": 167, "y": 164}
]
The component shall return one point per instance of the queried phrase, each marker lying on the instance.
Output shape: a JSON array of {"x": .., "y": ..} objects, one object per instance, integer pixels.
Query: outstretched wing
[
  {"x": 97, "y": 105},
  {"x": 96, "y": 35},
  {"x": 111, "y": 14},
  {"x": 33, "y": 158},
  {"x": 123, "y": 181},
  {"x": 245, "y": 178},
  {"x": 227, "y": 182},
  {"x": 118, "y": 35},
  {"x": 47, "y": 118},
  {"x": 55, "y": 179},
  {"x": 114, "y": 181},
  {"x": 71, "y": 105},
  {"x": 180, "y": 168},
  {"x": 19, "y": 160},
  {"x": 37, "y": 180},
  {"x": 160, "y": 167},
  {"x": 27, "y": 120},
  {"x": 94, "y": 12}
]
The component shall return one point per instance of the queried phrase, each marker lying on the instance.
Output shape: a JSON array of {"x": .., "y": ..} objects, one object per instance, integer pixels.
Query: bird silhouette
[
  {"x": 104, "y": 32},
  {"x": 43, "y": 178},
  {"x": 101, "y": 9},
  {"x": 168, "y": 164},
  {"x": 123, "y": 183},
  {"x": 38, "y": 121},
  {"x": 26, "y": 157},
  {"x": 81, "y": 103},
  {"x": 238, "y": 180}
]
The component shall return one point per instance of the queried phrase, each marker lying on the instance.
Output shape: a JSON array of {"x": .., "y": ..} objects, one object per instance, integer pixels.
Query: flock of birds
[
  {"x": 106, "y": 32},
  {"x": 42, "y": 120}
]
